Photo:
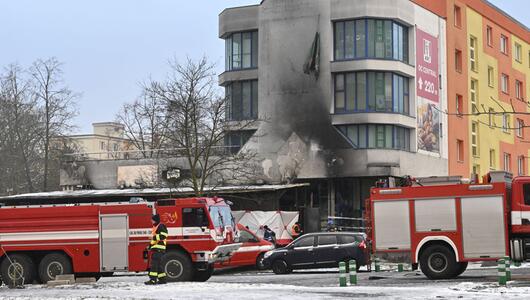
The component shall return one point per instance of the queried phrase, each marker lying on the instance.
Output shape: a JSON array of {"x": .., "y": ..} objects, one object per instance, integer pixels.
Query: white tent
[{"x": 281, "y": 222}]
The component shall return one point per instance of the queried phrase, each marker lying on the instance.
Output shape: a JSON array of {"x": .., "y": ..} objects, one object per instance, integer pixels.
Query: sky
[{"x": 108, "y": 47}]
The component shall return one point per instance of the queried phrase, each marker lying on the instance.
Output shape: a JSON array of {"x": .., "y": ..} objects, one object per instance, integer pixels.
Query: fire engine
[
  {"x": 38, "y": 242},
  {"x": 443, "y": 226}
]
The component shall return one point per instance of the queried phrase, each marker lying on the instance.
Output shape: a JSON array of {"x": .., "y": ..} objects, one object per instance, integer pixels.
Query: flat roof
[{"x": 148, "y": 192}]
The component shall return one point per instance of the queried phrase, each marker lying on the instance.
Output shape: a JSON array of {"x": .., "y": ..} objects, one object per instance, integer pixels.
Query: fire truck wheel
[
  {"x": 177, "y": 266},
  {"x": 279, "y": 266},
  {"x": 21, "y": 271},
  {"x": 54, "y": 264},
  {"x": 461, "y": 268},
  {"x": 438, "y": 262},
  {"x": 204, "y": 275}
]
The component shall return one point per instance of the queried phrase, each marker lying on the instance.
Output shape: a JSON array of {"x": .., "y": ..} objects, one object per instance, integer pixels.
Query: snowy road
[{"x": 478, "y": 283}]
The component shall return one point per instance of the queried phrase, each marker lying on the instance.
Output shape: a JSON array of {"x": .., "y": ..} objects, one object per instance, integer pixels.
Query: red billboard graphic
[{"x": 427, "y": 66}]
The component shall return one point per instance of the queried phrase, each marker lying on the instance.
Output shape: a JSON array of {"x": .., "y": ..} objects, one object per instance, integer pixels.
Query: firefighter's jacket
[{"x": 159, "y": 238}]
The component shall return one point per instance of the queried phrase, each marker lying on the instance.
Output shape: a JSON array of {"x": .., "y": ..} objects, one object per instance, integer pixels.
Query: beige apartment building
[{"x": 107, "y": 141}]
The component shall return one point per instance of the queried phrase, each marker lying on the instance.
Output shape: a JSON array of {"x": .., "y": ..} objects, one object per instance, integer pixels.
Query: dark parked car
[{"x": 319, "y": 250}]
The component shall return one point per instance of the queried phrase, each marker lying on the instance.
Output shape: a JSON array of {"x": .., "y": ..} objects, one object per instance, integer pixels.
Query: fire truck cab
[
  {"x": 444, "y": 225},
  {"x": 38, "y": 242}
]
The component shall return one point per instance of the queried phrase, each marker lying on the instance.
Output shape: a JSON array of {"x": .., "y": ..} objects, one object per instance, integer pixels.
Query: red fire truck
[
  {"x": 444, "y": 226},
  {"x": 38, "y": 242}
]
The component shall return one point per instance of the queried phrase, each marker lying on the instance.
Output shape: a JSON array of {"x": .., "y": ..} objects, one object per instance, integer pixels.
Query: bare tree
[
  {"x": 146, "y": 125},
  {"x": 196, "y": 122},
  {"x": 58, "y": 104},
  {"x": 20, "y": 134}
]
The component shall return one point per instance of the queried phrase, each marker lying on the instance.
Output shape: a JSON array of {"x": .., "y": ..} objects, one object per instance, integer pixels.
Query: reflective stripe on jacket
[{"x": 159, "y": 237}]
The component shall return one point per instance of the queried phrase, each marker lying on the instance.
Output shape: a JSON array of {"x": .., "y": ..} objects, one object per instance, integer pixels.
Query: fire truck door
[{"x": 114, "y": 242}]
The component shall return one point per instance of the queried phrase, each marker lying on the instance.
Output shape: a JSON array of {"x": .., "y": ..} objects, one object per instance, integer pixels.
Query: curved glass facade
[
  {"x": 241, "y": 51},
  {"x": 371, "y": 38},
  {"x": 371, "y": 92},
  {"x": 377, "y": 136}
]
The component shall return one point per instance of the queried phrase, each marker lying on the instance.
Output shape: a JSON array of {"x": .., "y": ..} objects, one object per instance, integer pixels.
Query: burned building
[{"x": 344, "y": 92}]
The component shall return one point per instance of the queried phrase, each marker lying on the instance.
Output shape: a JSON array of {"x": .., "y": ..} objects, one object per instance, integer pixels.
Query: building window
[
  {"x": 505, "y": 123},
  {"x": 460, "y": 150},
  {"x": 377, "y": 136},
  {"x": 491, "y": 75},
  {"x": 474, "y": 139},
  {"x": 459, "y": 104},
  {"x": 519, "y": 128},
  {"x": 489, "y": 36},
  {"x": 492, "y": 159},
  {"x": 458, "y": 16},
  {"x": 491, "y": 117},
  {"x": 505, "y": 83},
  {"x": 102, "y": 145},
  {"x": 507, "y": 162},
  {"x": 458, "y": 60},
  {"x": 242, "y": 100},
  {"x": 371, "y": 38},
  {"x": 116, "y": 147},
  {"x": 371, "y": 92},
  {"x": 504, "y": 44},
  {"x": 518, "y": 53},
  {"x": 518, "y": 90},
  {"x": 473, "y": 59},
  {"x": 474, "y": 95},
  {"x": 235, "y": 140},
  {"x": 520, "y": 165},
  {"x": 241, "y": 50},
  {"x": 476, "y": 169}
]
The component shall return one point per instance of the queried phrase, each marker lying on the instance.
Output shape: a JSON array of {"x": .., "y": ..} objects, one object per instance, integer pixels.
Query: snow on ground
[{"x": 131, "y": 287}]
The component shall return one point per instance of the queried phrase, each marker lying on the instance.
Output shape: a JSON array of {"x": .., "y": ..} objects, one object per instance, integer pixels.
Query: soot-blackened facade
[{"x": 370, "y": 106}]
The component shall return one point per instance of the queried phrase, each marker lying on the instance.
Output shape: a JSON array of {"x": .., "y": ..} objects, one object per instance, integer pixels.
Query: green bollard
[
  {"x": 400, "y": 267},
  {"x": 342, "y": 273},
  {"x": 508, "y": 271},
  {"x": 517, "y": 264},
  {"x": 353, "y": 272},
  {"x": 377, "y": 266},
  {"x": 501, "y": 268}
]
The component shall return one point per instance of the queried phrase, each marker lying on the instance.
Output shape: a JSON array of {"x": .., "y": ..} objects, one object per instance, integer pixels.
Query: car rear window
[
  {"x": 327, "y": 240},
  {"x": 348, "y": 239}
]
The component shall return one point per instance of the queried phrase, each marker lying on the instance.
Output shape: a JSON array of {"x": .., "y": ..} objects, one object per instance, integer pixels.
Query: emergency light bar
[
  {"x": 390, "y": 192},
  {"x": 481, "y": 187}
]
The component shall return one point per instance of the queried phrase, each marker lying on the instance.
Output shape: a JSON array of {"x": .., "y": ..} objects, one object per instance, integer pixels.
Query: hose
[{"x": 21, "y": 286}]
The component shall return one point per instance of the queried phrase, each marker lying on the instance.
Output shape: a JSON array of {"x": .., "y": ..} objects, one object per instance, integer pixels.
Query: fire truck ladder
[{"x": 14, "y": 283}]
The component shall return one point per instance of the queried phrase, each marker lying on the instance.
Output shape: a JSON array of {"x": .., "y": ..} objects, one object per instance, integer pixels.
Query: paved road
[{"x": 329, "y": 277}]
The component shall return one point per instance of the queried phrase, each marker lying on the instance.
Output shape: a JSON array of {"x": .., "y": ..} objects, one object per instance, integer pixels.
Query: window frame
[
  {"x": 520, "y": 165},
  {"x": 519, "y": 130},
  {"x": 398, "y": 34},
  {"x": 519, "y": 90},
  {"x": 473, "y": 95},
  {"x": 492, "y": 159},
  {"x": 458, "y": 60},
  {"x": 253, "y": 103},
  {"x": 518, "y": 53},
  {"x": 491, "y": 76},
  {"x": 457, "y": 12},
  {"x": 459, "y": 105},
  {"x": 475, "y": 150},
  {"x": 507, "y": 161},
  {"x": 489, "y": 36},
  {"x": 229, "y": 47},
  {"x": 460, "y": 150},
  {"x": 473, "y": 54},
  {"x": 367, "y": 136},
  {"x": 505, "y": 83},
  {"x": 394, "y": 89},
  {"x": 504, "y": 44},
  {"x": 505, "y": 123}
]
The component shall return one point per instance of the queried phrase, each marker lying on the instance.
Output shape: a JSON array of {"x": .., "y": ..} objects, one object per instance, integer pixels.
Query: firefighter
[
  {"x": 157, "y": 248},
  {"x": 296, "y": 230}
]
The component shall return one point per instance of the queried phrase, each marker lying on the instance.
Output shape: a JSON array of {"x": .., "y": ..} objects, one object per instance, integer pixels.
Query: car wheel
[
  {"x": 279, "y": 266},
  {"x": 177, "y": 266},
  {"x": 203, "y": 275},
  {"x": 20, "y": 271},
  {"x": 438, "y": 262},
  {"x": 54, "y": 264},
  {"x": 259, "y": 262}
]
